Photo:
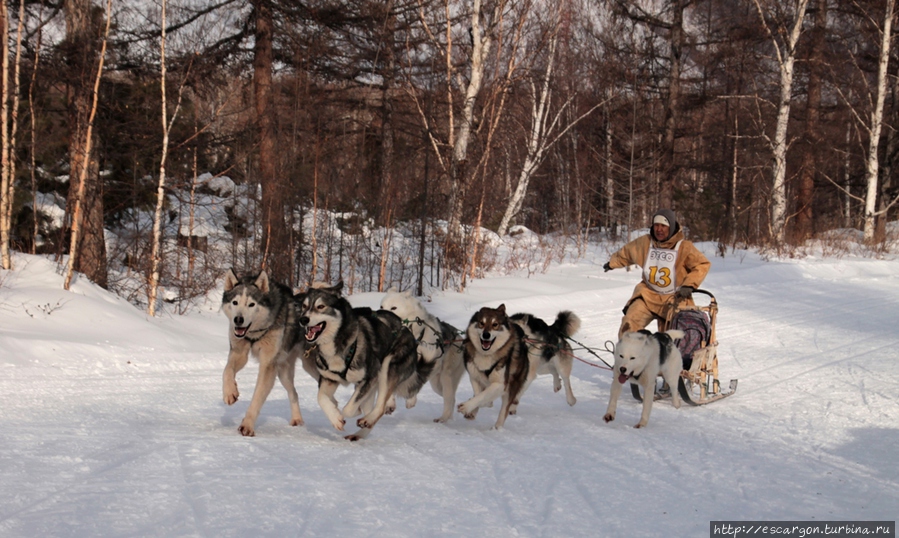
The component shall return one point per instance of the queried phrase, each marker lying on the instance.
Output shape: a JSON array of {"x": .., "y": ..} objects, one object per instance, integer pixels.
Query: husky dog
[
  {"x": 435, "y": 343},
  {"x": 372, "y": 350},
  {"x": 640, "y": 357},
  {"x": 496, "y": 358},
  {"x": 263, "y": 320},
  {"x": 549, "y": 351}
]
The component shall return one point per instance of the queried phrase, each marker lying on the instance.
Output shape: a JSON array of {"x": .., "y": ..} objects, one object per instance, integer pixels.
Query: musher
[{"x": 672, "y": 268}]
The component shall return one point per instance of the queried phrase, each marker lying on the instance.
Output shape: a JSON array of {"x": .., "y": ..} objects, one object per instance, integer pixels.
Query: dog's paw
[
  {"x": 572, "y": 401},
  {"x": 441, "y": 419},
  {"x": 639, "y": 425},
  {"x": 338, "y": 424},
  {"x": 609, "y": 417},
  {"x": 297, "y": 421},
  {"x": 353, "y": 437},
  {"x": 410, "y": 402},
  {"x": 230, "y": 395},
  {"x": 246, "y": 429},
  {"x": 467, "y": 411}
]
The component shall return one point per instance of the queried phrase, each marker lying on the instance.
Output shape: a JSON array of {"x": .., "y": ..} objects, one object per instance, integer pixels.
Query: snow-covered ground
[{"x": 112, "y": 424}]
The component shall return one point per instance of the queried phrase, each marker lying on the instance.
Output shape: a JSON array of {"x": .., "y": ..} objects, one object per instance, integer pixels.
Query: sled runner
[{"x": 699, "y": 383}]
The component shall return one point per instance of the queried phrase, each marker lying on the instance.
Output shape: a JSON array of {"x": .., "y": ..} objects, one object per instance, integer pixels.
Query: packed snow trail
[{"x": 113, "y": 424}]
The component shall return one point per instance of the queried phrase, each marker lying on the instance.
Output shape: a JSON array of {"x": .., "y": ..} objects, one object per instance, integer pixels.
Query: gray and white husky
[
  {"x": 435, "y": 343},
  {"x": 640, "y": 357},
  {"x": 496, "y": 357},
  {"x": 263, "y": 322},
  {"x": 370, "y": 349},
  {"x": 548, "y": 348}
]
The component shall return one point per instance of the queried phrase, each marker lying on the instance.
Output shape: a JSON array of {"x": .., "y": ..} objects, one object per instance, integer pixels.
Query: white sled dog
[
  {"x": 435, "y": 343},
  {"x": 370, "y": 349},
  {"x": 496, "y": 358},
  {"x": 263, "y": 322},
  {"x": 548, "y": 348},
  {"x": 640, "y": 357}
]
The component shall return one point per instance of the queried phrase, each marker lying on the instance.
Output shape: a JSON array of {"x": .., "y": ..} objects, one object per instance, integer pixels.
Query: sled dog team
[{"x": 397, "y": 349}]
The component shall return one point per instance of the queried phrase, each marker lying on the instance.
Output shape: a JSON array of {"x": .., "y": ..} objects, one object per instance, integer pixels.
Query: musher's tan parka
[{"x": 691, "y": 269}]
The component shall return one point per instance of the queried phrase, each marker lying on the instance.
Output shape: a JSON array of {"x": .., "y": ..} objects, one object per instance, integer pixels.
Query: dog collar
[{"x": 254, "y": 340}]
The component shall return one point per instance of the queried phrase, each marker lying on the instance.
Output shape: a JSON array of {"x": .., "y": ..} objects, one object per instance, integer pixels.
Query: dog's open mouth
[
  {"x": 314, "y": 332},
  {"x": 240, "y": 332},
  {"x": 486, "y": 344},
  {"x": 623, "y": 378}
]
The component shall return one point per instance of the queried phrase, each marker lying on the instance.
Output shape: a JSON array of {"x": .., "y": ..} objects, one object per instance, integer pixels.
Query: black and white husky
[
  {"x": 640, "y": 357},
  {"x": 435, "y": 343},
  {"x": 549, "y": 350},
  {"x": 496, "y": 357},
  {"x": 263, "y": 322},
  {"x": 370, "y": 349}
]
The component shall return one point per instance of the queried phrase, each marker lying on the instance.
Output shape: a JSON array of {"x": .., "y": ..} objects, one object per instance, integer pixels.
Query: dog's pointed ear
[
  {"x": 262, "y": 282},
  {"x": 337, "y": 289},
  {"x": 502, "y": 308},
  {"x": 392, "y": 289},
  {"x": 408, "y": 293},
  {"x": 231, "y": 280}
]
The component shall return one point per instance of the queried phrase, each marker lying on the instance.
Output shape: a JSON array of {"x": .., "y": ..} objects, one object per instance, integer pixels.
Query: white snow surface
[{"x": 112, "y": 423}]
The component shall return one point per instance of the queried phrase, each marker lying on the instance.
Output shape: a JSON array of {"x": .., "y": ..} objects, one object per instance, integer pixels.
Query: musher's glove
[
  {"x": 606, "y": 268},
  {"x": 684, "y": 292}
]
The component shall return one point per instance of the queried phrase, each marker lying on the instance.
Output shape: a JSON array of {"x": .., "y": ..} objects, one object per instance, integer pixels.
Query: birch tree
[
  {"x": 8, "y": 190},
  {"x": 785, "y": 55},
  {"x": 874, "y": 128},
  {"x": 88, "y": 203},
  {"x": 5, "y": 179},
  {"x": 155, "y": 256},
  {"x": 545, "y": 131},
  {"x": 482, "y": 37}
]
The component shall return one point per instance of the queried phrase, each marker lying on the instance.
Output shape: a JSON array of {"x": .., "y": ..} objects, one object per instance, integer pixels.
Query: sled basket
[{"x": 697, "y": 332}]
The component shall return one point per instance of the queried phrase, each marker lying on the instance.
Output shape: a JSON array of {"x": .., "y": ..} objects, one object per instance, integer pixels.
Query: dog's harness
[
  {"x": 490, "y": 370},
  {"x": 322, "y": 364},
  {"x": 440, "y": 341},
  {"x": 664, "y": 344}
]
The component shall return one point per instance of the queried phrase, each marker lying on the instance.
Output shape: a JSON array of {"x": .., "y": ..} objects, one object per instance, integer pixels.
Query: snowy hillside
[{"x": 112, "y": 424}]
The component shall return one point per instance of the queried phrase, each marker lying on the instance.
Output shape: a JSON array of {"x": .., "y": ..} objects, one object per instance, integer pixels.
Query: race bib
[{"x": 658, "y": 271}]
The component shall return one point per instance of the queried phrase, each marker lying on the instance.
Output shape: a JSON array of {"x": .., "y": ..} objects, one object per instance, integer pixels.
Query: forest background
[{"x": 398, "y": 142}]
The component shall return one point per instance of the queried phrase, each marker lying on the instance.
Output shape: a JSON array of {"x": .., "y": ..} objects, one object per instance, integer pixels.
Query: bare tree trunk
[
  {"x": 153, "y": 284},
  {"x": 668, "y": 168},
  {"x": 872, "y": 166},
  {"x": 786, "y": 57},
  {"x": 609, "y": 183},
  {"x": 33, "y": 173},
  {"x": 85, "y": 193},
  {"x": 847, "y": 179},
  {"x": 808, "y": 170},
  {"x": 9, "y": 140},
  {"x": 276, "y": 240},
  {"x": 155, "y": 257},
  {"x": 734, "y": 181},
  {"x": 482, "y": 40},
  {"x": 5, "y": 179},
  {"x": 890, "y": 164}
]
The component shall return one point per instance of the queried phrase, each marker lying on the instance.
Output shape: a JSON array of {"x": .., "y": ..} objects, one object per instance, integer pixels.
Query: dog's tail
[
  {"x": 567, "y": 324},
  {"x": 675, "y": 334}
]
